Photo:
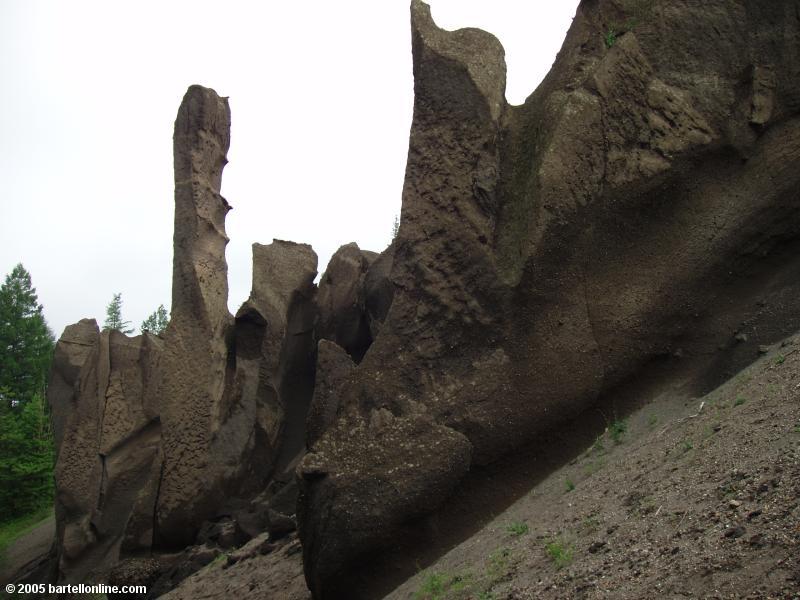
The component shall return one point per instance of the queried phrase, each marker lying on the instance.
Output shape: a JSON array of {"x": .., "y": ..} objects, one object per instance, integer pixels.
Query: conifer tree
[
  {"x": 26, "y": 342},
  {"x": 114, "y": 320},
  {"x": 157, "y": 322},
  {"x": 26, "y": 441}
]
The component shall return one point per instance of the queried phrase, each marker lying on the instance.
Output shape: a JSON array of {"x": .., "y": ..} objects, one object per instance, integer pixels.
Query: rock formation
[
  {"x": 109, "y": 454},
  {"x": 198, "y": 409},
  {"x": 343, "y": 318},
  {"x": 156, "y": 434},
  {"x": 334, "y": 366},
  {"x": 275, "y": 350},
  {"x": 636, "y": 218},
  {"x": 640, "y": 207}
]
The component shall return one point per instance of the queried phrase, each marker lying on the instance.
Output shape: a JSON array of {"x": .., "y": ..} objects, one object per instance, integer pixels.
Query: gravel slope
[{"x": 698, "y": 499}]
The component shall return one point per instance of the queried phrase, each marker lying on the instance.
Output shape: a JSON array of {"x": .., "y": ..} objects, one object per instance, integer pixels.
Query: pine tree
[
  {"x": 157, "y": 322},
  {"x": 26, "y": 441},
  {"x": 27, "y": 457},
  {"x": 114, "y": 319},
  {"x": 26, "y": 342}
]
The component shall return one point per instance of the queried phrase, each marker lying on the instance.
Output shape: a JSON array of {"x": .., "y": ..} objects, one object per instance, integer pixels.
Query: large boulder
[{"x": 639, "y": 207}]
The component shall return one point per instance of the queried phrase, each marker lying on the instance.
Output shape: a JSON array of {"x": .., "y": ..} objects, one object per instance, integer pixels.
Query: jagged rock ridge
[
  {"x": 637, "y": 215},
  {"x": 157, "y": 434}
]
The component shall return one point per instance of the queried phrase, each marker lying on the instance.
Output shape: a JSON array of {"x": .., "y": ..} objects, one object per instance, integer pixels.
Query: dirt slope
[
  {"x": 28, "y": 551},
  {"x": 698, "y": 499}
]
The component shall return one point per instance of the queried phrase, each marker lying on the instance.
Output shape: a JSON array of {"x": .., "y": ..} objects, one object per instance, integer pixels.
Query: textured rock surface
[
  {"x": 157, "y": 434},
  {"x": 379, "y": 290},
  {"x": 275, "y": 350},
  {"x": 73, "y": 348},
  {"x": 343, "y": 317},
  {"x": 640, "y": 207},
  {"x": 334, "y": 365},
  {"x": 200, "y": 460},
  {"x": 109, "y": 456}
]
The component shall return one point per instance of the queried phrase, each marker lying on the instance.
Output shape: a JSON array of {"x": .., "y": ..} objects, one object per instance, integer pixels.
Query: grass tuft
[
  {"x": 560, "y": 552},
  {"x": 517, "y": 528},
  {"x": 617, "y": 429}
]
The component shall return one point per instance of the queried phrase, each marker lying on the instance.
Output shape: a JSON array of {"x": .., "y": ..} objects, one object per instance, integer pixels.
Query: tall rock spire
[{"x": 195, "y": 398}]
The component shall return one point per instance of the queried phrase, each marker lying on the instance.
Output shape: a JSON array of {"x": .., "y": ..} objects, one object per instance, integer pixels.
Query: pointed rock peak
[{"x": 479, "y": 52}]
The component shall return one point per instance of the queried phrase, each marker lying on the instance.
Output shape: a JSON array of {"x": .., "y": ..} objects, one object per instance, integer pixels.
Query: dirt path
[{"x": 26, "y": 550}]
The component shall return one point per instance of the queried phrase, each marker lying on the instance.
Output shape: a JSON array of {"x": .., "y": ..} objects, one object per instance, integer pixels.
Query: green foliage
[
  {"x": 610, "y": 38},
  {"x": 432, "y": 588},
  {"x": 739, "y": 401},
  {"x": 114, "y": 320},
  {"x": 438, "y": 586},
  {"x": 499, "y": 563},
  {"x": 27, "y": 457},
  {"x": 617, "y": 429},
  {"x": 560, "y": 552},
  {"x": 569, "y": 485},
  {"x": 687, "y": 445},
  {"x": 652, "y": 421},
  {"x": 517, "y": 528},
  {"x": 26, "y": 342},
  {"x": 157, "y": 322},
  {"x": 780, "y": 359},
  {"x": 26, "y": 445}
]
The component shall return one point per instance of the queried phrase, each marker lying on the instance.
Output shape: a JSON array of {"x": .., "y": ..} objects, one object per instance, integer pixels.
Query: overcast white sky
[{"x": 321, "y": 97}]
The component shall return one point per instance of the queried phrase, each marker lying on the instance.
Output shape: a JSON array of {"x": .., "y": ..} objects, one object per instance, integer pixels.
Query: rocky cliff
[
  {"x": 637, "y": 215},
  {"x": 635, "y": 220}
]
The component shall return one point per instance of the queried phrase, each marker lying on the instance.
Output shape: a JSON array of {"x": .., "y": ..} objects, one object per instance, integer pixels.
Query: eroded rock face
[
  {"x": 334, "y": 366},
  {"x": 275, "y": 352},
  {"x": 379, "y": 290},
  {"x": 156, "y": 434},
  {"x": 632, "y": 211},
  {"x": 343, "y": 317},
  {"x": 202, "y": 463},
  {"x": 109, "y": 455}
]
